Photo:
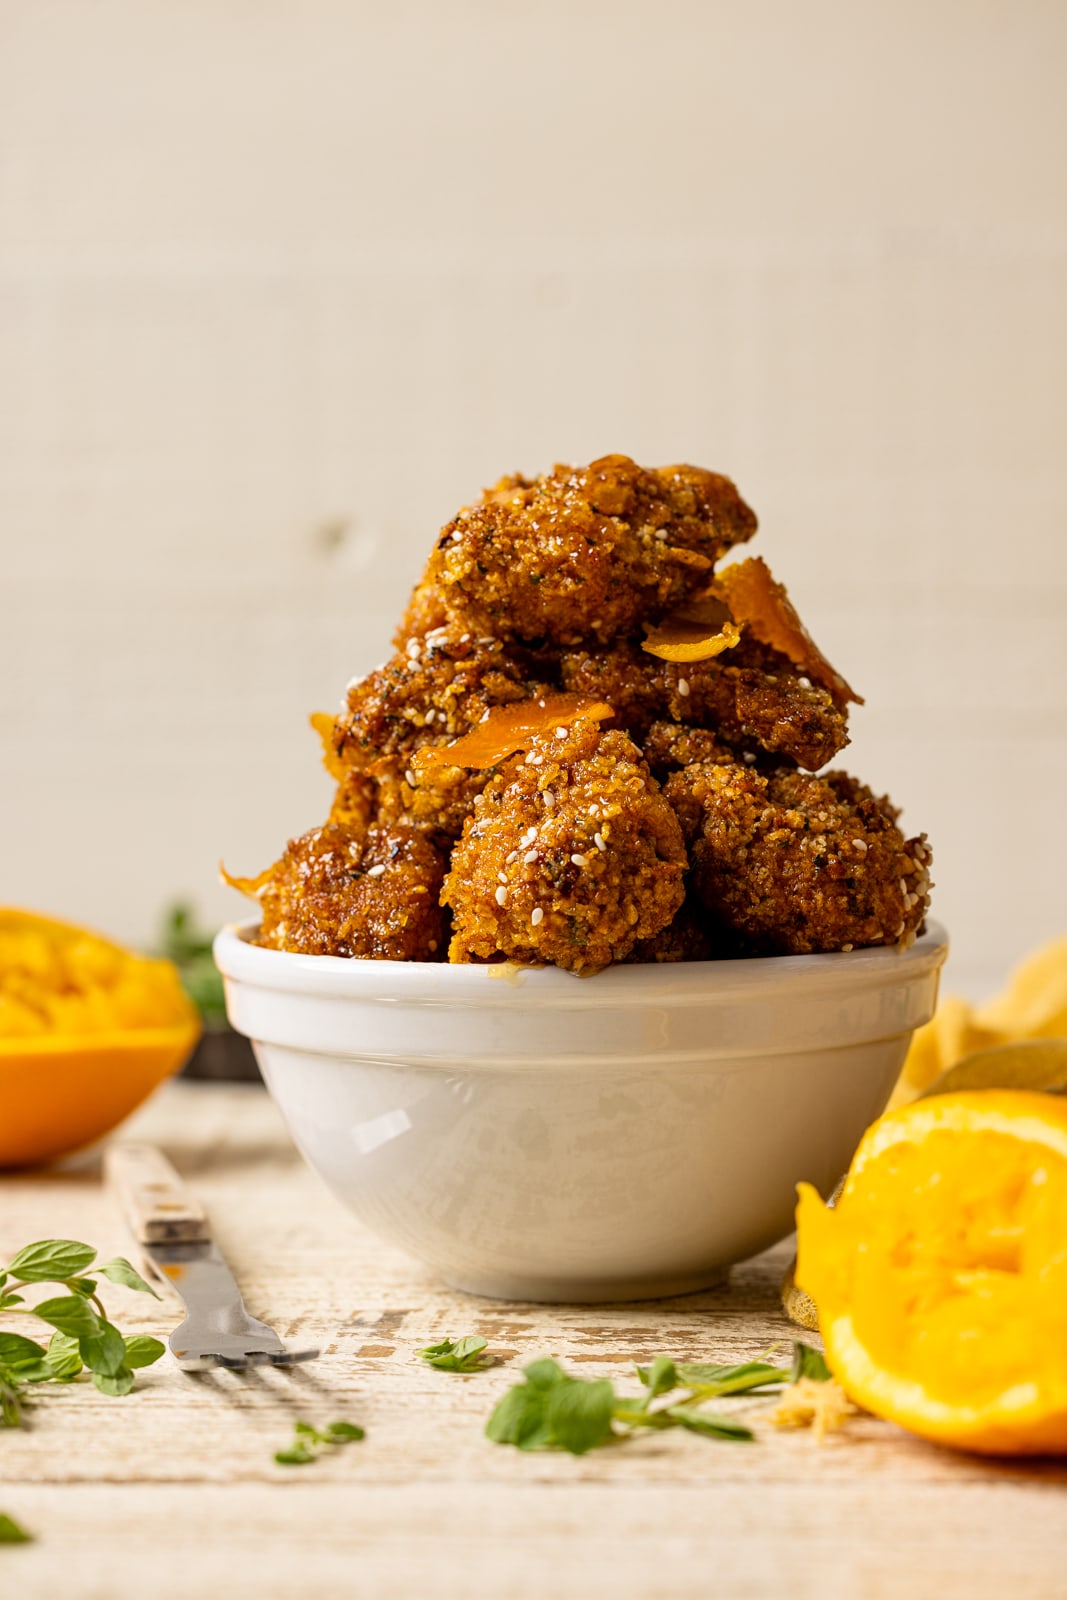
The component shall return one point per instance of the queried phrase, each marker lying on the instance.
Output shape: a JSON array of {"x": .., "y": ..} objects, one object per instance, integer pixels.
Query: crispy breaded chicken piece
[
  {"x": 795, "y": 864},
  {"x": 570, "y": 856},
  {"x": 582, "y": 553},
  {"x": 751, "y": 698},
  {"x": 371, "y": 893},
  {"x": 432, "y": 692}
]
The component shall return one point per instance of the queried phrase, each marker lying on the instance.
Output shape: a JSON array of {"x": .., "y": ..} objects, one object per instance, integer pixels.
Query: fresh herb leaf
[
  {"x": 460, "y": 1355},
  {"x": 707, "y": 1422},
  {"x": 659, "y": 1377},
  {"x": 543, "y": 1374},
  {"x": 16, "y": 1352},
  {"x": 120, "y": 1271},
  {"x": 86, "y": 1287},
  {"x": 578, "y": 1413},
  {"x": 143, "y": 1351},
  {"x": 344, "y": 1432},
  {"x": 114, "y": 1383},
  {"x": 104, "y": 1353},
  {"x": 519, "y": 1419},
  {"x": 50, "y": 1261},
  {"x": 64, "y": 1358},
  {"x": 309, "y": 1442},
  {"x": 69, "y": 1314},
  {"x": 11, "y": 1532},
  {"x": 809, "y": 1363}
]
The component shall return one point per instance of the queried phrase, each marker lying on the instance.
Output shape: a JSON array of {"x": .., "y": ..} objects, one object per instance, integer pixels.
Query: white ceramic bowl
[{"x": 536, "y": 1136}]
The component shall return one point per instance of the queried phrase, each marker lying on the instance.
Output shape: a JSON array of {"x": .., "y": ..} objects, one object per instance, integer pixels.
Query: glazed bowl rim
[{"x": 508, "y": 985}]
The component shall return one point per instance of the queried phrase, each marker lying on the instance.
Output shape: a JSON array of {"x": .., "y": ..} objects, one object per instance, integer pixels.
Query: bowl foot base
[{"x": 588, "y": 1292}]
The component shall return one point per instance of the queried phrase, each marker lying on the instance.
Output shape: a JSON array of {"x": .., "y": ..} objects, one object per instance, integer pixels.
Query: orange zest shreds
[
  {"x": 687, "y": 637},
  {"x": 250, "y": 886},
  {"x": 755, "y": 597},
  {"x": 324, "y": 725},
  {"x": 510, "y": 728},
  {"x": 941, "y": 1272}
]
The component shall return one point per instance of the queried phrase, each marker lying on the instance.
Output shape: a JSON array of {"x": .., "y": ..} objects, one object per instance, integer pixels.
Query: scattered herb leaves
[
  {"x": 550, "y": 1410},
  {"x": 83, "y": 1337},
  {"x": 309, "y": 1443},
  {"x": 459, "y": 1355}
]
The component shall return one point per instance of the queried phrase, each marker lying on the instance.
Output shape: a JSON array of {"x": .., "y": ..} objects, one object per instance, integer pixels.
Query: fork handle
[{"x": 155, "y": 1202}]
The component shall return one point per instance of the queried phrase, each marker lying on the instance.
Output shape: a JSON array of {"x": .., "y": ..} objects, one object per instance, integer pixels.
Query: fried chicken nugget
[
  {"x": 750, "y": 697},
  {"x": 795, "y": 864},
  {"x": 582, "y": 553},
  {"x": 339, "y": 891},
  {"x": 570, "y": 856},
  {"x": 433, "y": 691}
]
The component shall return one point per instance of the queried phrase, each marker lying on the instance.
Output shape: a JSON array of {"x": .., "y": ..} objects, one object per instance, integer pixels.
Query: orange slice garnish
[
  {"x": 510, "y": 728},
  {"x": 757, "y": 599}
]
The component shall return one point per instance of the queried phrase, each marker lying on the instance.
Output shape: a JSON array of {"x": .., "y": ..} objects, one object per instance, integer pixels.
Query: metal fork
[{"x": 174, "y": 1234}]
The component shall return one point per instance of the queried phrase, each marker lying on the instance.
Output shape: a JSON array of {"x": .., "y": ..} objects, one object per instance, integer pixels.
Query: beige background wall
[{"x": 284, "y": 282}]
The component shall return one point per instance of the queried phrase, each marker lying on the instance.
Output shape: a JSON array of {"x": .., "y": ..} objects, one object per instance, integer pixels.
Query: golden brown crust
[
  {"x": 342, "y": 892},
  {"x": 570, "y": 856},
  {"x": 750, "y": 698},
  {"x": 795, "y": 864},
  {"x": 583, "y": 553}
]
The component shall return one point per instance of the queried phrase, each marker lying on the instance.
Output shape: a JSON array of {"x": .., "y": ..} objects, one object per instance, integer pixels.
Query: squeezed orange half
[{"x": 941, "y": 1272}]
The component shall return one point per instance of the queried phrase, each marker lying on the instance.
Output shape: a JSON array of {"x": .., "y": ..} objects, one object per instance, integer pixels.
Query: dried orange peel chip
[
  {"x": 510, "y": 728},
  {"x": 941, "y": 1272},
  {"x": 324, "y": 725},
  {"x": 756, "y": 599},
  {"x": 695, "y": 632},
  {"x": 250, "y": 886}
]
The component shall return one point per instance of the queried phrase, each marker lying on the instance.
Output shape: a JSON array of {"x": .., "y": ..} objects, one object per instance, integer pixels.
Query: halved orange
[{"x": 941, "y": 1272}]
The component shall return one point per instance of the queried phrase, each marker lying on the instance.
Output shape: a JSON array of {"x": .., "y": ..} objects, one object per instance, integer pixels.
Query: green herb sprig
[
  {"x": 83, "y": 1337},
  {"x": 553, "y": 1411},
  {"x": 12, "y": 1532},
  {"x": 309, "y": 1443},
  {"x": 459, "y": 1355}
]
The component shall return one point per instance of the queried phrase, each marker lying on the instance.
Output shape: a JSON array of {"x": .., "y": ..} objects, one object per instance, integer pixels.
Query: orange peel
[
  {"x": 696, "y": 631},
  {"x": 324, "y": 725},
  {"x": 940, "y": 1273},
  {"x": 508, "y": 729},
  {"x": 756, "y": 598}
]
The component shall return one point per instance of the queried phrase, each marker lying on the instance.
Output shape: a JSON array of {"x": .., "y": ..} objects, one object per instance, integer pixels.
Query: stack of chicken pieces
[{"x": 594, "y": 744}]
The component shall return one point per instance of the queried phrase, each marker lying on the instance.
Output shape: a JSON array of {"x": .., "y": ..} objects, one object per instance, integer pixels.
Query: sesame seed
[
  {"x": 514, "y": 856},
  {"x": 529, "y": 857},
  {"x": 464, "y": 638},
  {"x": 860, "y": 845},
  {"x": 533, "y": 760},
  {"x": 749, "y": 759},
  {"x": 375, "y": 872},
  {"x": 502, "y": 877},
  {"x": 683, "y": 686},
  {"x": 410, "y": 776},
  {"x": 598, "y": 840},
  {"x": 805, "y": 683},
  {"x": 536, "y": 915},
  {"x": 549, "y": 798},
  {"x": 561, "y": 733},
  {"x": 430, "y": 716},
  {"x": 846, "y": 947},
  {"x": 903, "y": 886},
  {"x": 501, "y": 896},
  {"x": 580, "y": 861}
]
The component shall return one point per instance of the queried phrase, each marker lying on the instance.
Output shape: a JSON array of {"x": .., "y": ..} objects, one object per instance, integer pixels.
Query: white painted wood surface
[
  {"x": 172, "y": 1492},
  {"x": 283, "y": 284}
]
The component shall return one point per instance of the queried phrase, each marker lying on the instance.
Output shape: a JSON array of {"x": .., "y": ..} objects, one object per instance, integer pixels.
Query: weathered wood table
[{"x": 173, "y": 1492}]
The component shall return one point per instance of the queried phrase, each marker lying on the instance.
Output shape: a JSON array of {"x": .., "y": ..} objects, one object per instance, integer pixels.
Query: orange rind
[
  {"x": 508, "y": 729},
  {"x": 756, "y": 599},
  {"x": 941, "y": 1272},
  {"x": 87, "y": 1031}
]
